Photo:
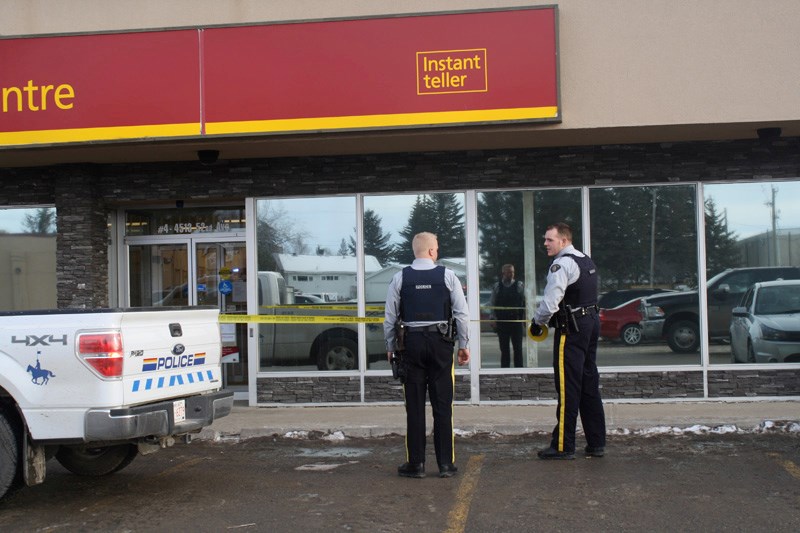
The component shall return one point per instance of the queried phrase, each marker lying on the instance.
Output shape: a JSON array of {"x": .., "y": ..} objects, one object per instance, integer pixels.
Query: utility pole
[
  {"x": 653, "y": 241},
  {"x": 774, "y": 216}
]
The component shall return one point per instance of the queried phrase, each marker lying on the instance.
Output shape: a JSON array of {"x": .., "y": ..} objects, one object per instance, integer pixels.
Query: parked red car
[{"x": 622, "y": 323}]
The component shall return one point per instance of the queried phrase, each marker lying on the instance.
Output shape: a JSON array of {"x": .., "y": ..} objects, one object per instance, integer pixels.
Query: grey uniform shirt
[
  {"x": 562, "y": 272},
  {"x": 457, "y": 302}
]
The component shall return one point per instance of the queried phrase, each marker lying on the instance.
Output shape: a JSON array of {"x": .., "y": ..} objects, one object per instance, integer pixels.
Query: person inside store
[
  {"x": 569, "y": 306},
  {"x": 508, "y": 315},
  {"x": 426, "y": 314}
]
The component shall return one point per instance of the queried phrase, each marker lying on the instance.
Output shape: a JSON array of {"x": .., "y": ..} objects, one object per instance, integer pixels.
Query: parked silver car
[{"x": 765, "y": 328}]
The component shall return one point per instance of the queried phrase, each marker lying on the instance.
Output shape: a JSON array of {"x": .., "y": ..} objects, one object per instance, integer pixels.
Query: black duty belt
[
  {"x": 585, "y": 310},
  {"x": 422, "y": 329}
]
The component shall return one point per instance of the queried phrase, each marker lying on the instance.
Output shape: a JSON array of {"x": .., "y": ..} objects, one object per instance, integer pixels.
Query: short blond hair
[{"x": 423, "y": 242}]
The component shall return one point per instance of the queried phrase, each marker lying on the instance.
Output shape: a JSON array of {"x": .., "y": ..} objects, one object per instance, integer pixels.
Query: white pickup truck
[
  {"x": 96, "y": 388},
  {"x": 330, "y": 346}
]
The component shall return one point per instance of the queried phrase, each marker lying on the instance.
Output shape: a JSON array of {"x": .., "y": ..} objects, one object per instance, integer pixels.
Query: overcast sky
[{"x": 746, "y": 205}]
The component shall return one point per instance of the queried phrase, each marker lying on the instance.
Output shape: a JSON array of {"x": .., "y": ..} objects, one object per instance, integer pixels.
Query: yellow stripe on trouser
[
  {"x": 452, "y": 400},
  {"x": 562, "y": 391},
  {"x": 405, "y": 403}
]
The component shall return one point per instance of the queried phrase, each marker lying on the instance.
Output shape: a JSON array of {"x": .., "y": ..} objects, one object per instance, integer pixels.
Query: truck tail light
[{"x": 102, "y": 352}]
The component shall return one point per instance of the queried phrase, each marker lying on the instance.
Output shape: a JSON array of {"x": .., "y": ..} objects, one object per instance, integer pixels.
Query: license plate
[{"x": 179, "y": 410}]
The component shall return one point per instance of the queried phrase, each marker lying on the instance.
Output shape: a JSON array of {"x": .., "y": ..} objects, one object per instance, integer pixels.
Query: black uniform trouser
[
  {"x": 578, "y": 386},
  {"x": 510, "y": 331},
  {"x": 430, "y": 368}
]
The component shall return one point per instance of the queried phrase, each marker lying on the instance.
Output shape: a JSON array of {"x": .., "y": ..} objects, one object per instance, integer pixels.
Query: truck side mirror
[{"x": 739, "y": 311}]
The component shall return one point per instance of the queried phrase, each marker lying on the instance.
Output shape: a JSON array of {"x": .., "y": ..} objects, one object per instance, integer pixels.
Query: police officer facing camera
[
  {"x": 508, "y": 314},
  {"x": 429, "y": 301},
  {"x": 569, "y": 305}
]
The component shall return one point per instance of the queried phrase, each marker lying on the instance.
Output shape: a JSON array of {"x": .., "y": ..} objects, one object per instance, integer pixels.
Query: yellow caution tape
[
  {"x": 298, "y": 319},
  {"x": 324, "y": 307},
  {"x": 309, "y": 319}
]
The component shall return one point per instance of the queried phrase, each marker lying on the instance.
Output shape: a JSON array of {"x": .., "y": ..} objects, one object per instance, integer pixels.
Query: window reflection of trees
[
  {"x": 441, "y": 214},
  {"x": 644, "y": 236}
]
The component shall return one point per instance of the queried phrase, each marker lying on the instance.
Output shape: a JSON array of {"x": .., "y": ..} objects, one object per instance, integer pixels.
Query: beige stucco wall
[{"x": 27, "y": 272}]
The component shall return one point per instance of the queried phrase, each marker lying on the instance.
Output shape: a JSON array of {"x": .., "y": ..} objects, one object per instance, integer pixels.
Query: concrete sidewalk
[{"x": 378, "y": 421}]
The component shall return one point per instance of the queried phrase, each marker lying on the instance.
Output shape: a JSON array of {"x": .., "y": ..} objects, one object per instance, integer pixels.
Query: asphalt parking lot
[{"x": 705, "y": 482}]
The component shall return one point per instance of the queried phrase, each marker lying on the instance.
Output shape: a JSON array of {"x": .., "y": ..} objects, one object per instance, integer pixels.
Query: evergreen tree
[
  {"x": 42, "y": 222},
  {"x": 435, "y": 213},
  {"x": 721, "y": 249},
  {"x": 633, "y": 227},
  {"x": 448, "y": 224},
  {"x": 343, "y": 248},
  {"x": 419, "y": 220},
  {"x": 376, "y": 243},
  {"x": 500, "y": 235}
]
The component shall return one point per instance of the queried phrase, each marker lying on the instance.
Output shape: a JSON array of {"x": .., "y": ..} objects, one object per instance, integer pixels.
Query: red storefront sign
[
  {"x": 380, "y": 73},
  {"x": 371, "y": 73},
  {"x": 99, "y": 87}
]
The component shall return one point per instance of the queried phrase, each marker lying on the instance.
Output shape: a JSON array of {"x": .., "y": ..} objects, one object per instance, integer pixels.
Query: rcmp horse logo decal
[{"x": 39, "y": 373}]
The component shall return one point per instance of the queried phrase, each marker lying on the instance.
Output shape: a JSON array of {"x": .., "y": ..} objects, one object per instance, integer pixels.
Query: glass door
[
  {"x": 220, "y": 273},
  {"x": 158, "y": 275},
  {"x": 196, "y": 271}
]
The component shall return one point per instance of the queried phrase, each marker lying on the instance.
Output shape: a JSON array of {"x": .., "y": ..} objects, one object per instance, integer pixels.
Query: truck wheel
[
  {"x": 87, "y": 461},
  {"x": 683, "y": 337},
  {"x": 631, "y": 335},
  {"x": 338, "y": 353},
  {"x": 10, "y": 452}
]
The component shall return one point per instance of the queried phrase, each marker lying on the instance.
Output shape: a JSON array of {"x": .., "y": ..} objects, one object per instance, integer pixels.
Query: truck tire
[
  {"x": 338, "y": 353},
  {"x": 631, "y": 335},
  {"x": 100, "y": 461},
  {"x": 683, "y": 336},
  {"x": 10, "y": 453}
]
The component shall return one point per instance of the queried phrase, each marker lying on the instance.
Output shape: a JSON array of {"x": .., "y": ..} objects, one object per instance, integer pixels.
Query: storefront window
[
  {"x": 183, "y": 221},
  {"x": 753, "y": 237},
  {"x": 644, "y": 242},
  {"x": 307, "y": 274},
  {"x": 390, "y": 223},
  {"x": 27, "y": 258},
  {"x": 511, "y": 227}
]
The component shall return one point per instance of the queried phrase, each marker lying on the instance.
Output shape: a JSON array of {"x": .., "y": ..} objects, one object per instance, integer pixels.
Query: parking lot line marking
[
  {"x": 458, "y": 514},
  {"x": 182, "y": 466},
  {"x": 792, "y": 468},
  {"x": 787, "y": 464}
]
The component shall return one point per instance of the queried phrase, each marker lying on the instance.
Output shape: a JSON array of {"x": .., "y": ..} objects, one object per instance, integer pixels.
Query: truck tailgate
[{"x": 170, "y": 358}]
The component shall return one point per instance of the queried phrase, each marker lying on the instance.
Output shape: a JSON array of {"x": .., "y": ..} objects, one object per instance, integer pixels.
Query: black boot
[
  {"x": 416, "y": 470},
  {"x": 447, "y": 470},
  {"x": 552, "y": 453}
]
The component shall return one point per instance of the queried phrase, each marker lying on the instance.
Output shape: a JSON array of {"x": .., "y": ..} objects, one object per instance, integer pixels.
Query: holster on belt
[{"x": 564, "y": 320}]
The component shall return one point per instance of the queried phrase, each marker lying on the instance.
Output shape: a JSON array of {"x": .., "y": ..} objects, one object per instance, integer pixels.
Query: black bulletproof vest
[
  {"x": 510, "y": 296},
  {"x": 424, "y": 297},
  {"x": 584, "y": 291}
]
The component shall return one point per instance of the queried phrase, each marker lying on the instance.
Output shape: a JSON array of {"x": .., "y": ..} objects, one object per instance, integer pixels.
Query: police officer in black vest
[
  {"x": 569, "y": 305},
  {"x": 508, "y": 310},
  {"x": 424, "y": 298}
]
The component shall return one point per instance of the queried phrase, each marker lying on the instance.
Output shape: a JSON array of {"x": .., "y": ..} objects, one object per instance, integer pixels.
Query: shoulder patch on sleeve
[{"x": 555, "y": 268}]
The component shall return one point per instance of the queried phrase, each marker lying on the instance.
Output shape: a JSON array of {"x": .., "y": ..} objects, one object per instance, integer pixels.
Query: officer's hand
[
  {"x": 463, "y": 356},
  {"x": 535, "y": 329},
  {"x": 389, "y": 356}
]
